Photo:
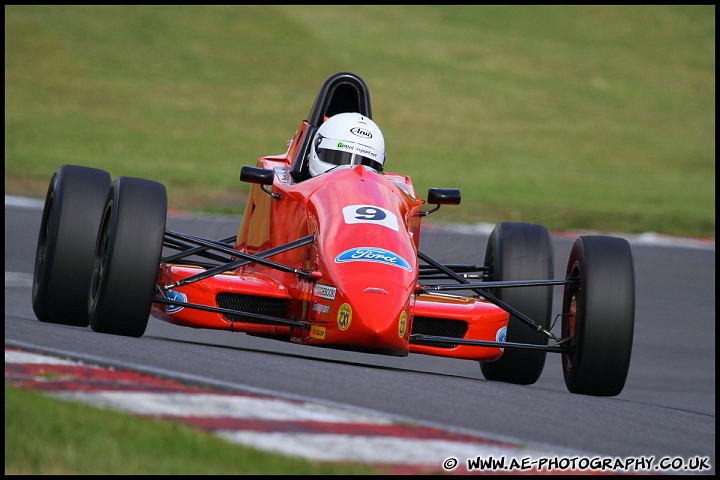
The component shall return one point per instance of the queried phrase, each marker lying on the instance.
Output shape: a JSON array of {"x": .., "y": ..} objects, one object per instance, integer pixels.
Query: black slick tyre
[
  {"x": 127, "y": 257},
  {"x": 66, "y": 244},
  {"x": 599, "y": 315},
  {"x": 521, "y": 251}
]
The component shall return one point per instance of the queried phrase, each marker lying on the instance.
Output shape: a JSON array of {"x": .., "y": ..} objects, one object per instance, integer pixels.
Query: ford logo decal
[
  {"x": 375, "y": 255},
  {"x": 177, "y": 296}
]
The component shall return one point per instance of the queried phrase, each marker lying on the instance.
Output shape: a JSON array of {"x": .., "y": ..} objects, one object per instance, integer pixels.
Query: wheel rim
[
  {"x": 100, "y": 261},
  {"x": 41, "y": 255},
  {"x": 569, "y": 329},
  {"x": 569, "y": 325}
]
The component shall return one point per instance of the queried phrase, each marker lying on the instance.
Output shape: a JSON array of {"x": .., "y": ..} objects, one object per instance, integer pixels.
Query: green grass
[
  {"x": 48, "y": 436},
  {"x": 590, "y": 117}
]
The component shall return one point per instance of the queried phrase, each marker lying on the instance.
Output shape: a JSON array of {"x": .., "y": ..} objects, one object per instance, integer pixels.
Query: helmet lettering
[{"x": 361, "y": 132}]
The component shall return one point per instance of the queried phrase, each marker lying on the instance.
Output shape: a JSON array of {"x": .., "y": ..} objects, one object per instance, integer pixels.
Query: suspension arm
[
  {"x": 227, "y": 311},
  {"x": 482, "y": 292},
  {"x": 251, "y": 258},
  {"x": 244, "y": 261},
  {"x": 192, "y": 250},
  {"x": 558, "y": 348}
]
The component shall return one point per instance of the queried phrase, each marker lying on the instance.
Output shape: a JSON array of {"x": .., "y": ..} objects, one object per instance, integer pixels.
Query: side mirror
[
  {"x": 261, "y": 176},
  {"x": 441, "y": 196}
]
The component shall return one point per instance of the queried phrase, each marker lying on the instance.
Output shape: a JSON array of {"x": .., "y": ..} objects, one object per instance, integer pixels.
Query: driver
[{"x": 347, "y": 139}]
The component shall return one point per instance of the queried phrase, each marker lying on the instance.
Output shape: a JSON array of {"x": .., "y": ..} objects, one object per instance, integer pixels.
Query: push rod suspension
[
  {"x": 481, "y": 291},
  {"x": 558, "y": 348},
  {"x": 246, "y": 259},
  {"x": 192, "y": 250}
]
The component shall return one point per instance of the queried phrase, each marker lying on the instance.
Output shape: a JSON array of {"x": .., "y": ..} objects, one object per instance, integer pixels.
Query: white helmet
[{"x": 347, "y": 139}]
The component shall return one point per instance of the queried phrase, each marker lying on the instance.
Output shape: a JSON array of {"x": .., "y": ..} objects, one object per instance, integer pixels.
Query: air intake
[
  {"x": 439, "y": 327},
  {"x": 271, "y": 307}
]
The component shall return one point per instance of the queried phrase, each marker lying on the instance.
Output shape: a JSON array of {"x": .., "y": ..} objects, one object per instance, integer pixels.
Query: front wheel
[
  {"x": 598, "y": 315},
  {"x": 521, "y": 251},
  {"x": 66, "y": 244},
  {"x": 127, "y": 257}
]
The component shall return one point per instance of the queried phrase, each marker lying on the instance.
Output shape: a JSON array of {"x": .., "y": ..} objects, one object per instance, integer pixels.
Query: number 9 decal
[{"x": 370, "y": 214}]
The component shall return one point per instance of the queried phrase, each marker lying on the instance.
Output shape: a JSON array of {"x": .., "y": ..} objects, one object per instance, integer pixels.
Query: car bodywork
[{"x": 334, "y": 261}]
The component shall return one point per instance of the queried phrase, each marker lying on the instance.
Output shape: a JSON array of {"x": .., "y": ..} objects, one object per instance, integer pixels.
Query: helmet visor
[{"x": 340, "y": 152}]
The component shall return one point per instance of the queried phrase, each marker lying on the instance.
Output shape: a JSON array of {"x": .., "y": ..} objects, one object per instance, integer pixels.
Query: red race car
[{"x": 327, "y": 255}]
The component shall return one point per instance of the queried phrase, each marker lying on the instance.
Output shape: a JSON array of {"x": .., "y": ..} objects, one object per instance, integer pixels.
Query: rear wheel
[
  {"x": 521, "y": 251},
  {"x": 127, "y": 257},
  {"x": 599, "y": 315},
  {"x": 66, "y": 244}
]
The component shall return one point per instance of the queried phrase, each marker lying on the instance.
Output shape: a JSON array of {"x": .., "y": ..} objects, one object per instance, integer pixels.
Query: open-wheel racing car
[{"x": 333, "y": 260}]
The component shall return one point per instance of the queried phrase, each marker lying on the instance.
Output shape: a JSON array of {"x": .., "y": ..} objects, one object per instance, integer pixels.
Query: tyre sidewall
[
  {"x": 521, "y": 251},
  {"x": 66, "y": 242},
  {"x": 120, "y": 300},
  {"x": 604, "y": 318}
]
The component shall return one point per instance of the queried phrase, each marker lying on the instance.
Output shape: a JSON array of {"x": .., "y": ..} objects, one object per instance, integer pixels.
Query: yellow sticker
[
  {"x": 317, "y": 332},
  {"x": 402, "y": 324},
  {"x": 344, "y": 316}
]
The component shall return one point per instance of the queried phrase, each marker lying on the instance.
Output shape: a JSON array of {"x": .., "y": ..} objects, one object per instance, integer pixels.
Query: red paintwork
[{"x": 371, "y": 298}]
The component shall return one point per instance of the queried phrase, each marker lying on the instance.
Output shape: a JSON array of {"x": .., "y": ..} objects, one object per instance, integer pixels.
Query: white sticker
[
  {"x": 325, "y": 291},
  {"x": 370, "y": 214}
]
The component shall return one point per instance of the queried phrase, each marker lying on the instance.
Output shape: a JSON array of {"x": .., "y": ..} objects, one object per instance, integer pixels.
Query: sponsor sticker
[
  {"x": 344, "y": 316},
  {"x": 320, "y": 308},
  {"x": 370, "y": 214},
  {"x": 178, "y": 297},
  {"x": 402, "y": 324},
  {"x": 352, "y": 147},
  {"x": 375, "y": 255},
  {"x": 361, "y": 132},
  {"x": 324, "y": 291},
  {"x": 500, "y": 336},
  {"x": 317, "y": 332}
]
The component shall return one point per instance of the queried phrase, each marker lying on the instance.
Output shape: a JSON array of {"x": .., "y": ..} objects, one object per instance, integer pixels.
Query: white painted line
[
  {"x": 376, "y": 449},
  {"x": 15, "y": 356},
  {"x": 219, "y": 405},
  {"x": 371, "y": 449},
  {"x": 647, "y": 238},
  {"x": 23, "y": 202},
  {"x": 18, "y": 280}
]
